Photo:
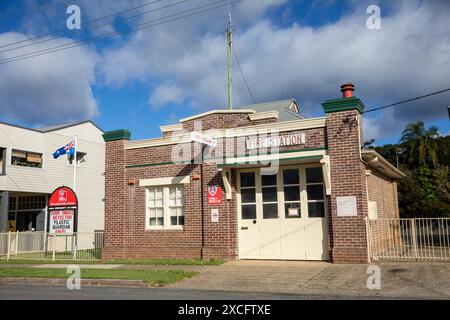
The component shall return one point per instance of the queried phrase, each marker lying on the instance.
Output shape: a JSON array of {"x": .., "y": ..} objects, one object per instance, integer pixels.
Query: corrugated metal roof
[{"x": 282, "y": 106}]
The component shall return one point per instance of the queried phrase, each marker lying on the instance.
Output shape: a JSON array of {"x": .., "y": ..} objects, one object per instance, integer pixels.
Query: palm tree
[{"x": 421, "y": 143}]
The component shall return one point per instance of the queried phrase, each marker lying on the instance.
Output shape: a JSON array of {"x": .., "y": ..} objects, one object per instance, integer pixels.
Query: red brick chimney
[{"x": 347, "y": 172}]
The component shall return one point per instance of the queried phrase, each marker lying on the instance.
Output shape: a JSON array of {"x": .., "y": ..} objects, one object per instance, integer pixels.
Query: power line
[
  {"x": 148, "y": 24},
  {"x": 83, "y": 24},
  {"x": 243, "y": 77},
  {"x": 408, "y": 100}
]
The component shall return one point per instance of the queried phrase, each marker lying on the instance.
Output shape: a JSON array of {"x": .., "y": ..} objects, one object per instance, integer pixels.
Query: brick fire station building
[{"x": 269, "y": 184}]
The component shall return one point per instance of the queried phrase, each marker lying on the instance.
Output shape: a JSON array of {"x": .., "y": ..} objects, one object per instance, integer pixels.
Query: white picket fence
[
  {"x": 81, "y": 246},
  {"x": 418, "y": 239}
]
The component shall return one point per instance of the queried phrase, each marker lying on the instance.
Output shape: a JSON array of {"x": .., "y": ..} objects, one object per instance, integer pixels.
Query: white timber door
[{"x": 282, "y": 216}]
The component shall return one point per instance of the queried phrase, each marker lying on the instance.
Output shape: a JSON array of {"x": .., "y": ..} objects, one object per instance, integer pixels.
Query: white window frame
[
  {"x": 165, "y": 206},
  {"x": 324, "y": 199}
]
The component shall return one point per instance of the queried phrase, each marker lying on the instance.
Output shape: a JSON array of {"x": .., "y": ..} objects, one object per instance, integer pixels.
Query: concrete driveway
[{"x": 398, "y": 280}]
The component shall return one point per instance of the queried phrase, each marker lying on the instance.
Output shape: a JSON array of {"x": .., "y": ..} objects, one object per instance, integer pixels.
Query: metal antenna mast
[{"x": 229, "y": 47}]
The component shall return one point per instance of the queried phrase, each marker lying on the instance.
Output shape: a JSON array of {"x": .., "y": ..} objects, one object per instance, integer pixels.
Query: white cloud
[
  {"x": 186, "y": 60},
  {"x": 409, "y": 56},
  {"x": 165, "y": 94},
  {"x": 49, "y": 88}
]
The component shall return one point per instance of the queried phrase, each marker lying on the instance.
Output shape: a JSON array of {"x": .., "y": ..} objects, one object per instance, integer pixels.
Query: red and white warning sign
[
  {"x": 62, "y": 221},
  {"x": 214, "y": 195}
]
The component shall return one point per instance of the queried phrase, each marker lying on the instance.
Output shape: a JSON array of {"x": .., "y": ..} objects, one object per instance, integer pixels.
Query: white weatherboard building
[{"x": 29, "y": 174}]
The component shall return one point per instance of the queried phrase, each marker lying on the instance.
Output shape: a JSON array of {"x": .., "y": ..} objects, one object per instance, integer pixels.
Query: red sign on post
[
  {"x": 214, "y": 195},
  {"x": 63, "y": 197}
]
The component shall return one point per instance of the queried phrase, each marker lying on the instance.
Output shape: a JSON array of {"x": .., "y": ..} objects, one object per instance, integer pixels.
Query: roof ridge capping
[{"x": 374, "y": 160}]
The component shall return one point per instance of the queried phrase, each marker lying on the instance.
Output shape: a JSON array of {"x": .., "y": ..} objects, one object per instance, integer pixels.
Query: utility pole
[{"x": 229, "y": 47}]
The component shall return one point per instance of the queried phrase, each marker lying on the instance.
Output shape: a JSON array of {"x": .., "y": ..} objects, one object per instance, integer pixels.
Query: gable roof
[
  {"x": 287, "y": 109},
  {"x": 64, "y": 126}
]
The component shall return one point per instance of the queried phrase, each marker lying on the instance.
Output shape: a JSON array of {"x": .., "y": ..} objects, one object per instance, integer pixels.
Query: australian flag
[{"x": 68, "y": 149}]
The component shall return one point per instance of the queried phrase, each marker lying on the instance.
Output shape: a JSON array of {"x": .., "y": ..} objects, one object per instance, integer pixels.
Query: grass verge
[{"x": 151, "y": 277}]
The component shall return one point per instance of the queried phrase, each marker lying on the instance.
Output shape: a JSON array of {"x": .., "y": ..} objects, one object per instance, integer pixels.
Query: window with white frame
[
  {"x": 176, "y": 206},
  {"x": 165, "y": 207},
  {"x": 315, "y": 191}
]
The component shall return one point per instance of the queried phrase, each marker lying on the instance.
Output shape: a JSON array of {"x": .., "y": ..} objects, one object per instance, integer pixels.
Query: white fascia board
[
  {"x": 164, "y": 181},
  {"x": 171, "y": 128},
  {"x": 264, "y": 115}
]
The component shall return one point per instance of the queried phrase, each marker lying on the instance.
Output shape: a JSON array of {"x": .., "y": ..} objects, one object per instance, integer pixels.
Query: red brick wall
[
  {"x": 383, "y": 233},
  {"x": 349, "y": 242},
  {"x": 220, "y": 121},
  {"x": 115, "y": 200},
  {"x": 126, "y": 236},
  {"x": 383, "y": 190}
]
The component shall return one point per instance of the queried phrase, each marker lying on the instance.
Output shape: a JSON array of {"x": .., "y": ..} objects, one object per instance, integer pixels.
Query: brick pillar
[
  {"x": 348, "y": 233},
  {"x": 115, "y": 193}
]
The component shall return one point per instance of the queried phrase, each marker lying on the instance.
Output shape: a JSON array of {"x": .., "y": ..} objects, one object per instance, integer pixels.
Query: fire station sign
[
  {"x": 62, "y": 212},
  {"x": 214, "y": 195},
  {"x": 276, "y": 141}
]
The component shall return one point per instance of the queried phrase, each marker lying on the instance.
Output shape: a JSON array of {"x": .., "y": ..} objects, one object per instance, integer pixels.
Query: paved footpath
[{"x": 408, "y": 280}]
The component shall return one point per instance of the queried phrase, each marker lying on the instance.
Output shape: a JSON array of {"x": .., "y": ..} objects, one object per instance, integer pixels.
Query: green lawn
[{"x": 151, "y": 277}]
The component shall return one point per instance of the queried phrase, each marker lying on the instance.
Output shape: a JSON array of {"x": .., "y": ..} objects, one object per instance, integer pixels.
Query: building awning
[{"x": 376, "y": 162}]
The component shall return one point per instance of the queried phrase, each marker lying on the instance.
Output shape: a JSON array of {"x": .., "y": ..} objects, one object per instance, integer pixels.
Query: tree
[
  {"x": 421, "y": 144},
  {"x": 368, "y": 144}
]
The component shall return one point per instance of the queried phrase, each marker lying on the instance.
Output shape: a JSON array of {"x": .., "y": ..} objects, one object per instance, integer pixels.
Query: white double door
[{"x": 282, "y": 216}]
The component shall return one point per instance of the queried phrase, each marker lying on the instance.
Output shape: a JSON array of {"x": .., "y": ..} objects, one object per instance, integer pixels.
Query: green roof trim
[
  {"x": 122, "y": 134},
  {"x": 343, "y": 104}
]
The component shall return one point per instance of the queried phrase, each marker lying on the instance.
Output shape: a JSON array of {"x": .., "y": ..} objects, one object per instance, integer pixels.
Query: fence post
[
  {"x": 414, "y": 237},
  {"x": 54, "y": 247},
  {"x": 17, "y": 243},
  {"x": 8, "y": 247}
]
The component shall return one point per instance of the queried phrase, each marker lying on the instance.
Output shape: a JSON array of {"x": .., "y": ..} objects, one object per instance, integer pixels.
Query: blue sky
[{"x": 141, "y": 79}]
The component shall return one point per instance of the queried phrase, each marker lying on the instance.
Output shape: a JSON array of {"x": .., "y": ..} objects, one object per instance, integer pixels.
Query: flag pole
[{"x": 75, "y": 164}]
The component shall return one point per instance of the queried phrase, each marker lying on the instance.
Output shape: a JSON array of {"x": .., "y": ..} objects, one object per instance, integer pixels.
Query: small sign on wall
[
  {"x": 346, "y": 206},
  {"x": 214, "y": 195},
  {"x": 214, "y": 215}
]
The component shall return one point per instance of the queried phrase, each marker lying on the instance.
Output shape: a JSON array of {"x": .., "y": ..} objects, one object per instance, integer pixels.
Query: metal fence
[
  {"x": 418, "y": 239},
  {"x": 81, "y": 246}
]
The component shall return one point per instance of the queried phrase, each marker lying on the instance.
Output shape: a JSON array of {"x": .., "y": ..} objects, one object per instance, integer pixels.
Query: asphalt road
[{"x": 58, "y": 292}]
